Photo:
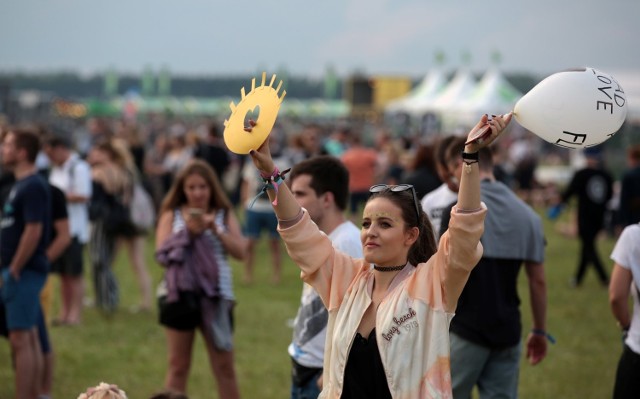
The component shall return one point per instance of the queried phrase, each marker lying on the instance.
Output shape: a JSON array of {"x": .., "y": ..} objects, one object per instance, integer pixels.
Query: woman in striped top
[{"x": 197, "y": 214}]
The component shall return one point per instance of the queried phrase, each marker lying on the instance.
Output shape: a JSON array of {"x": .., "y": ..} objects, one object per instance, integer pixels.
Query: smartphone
[{"x": 195, "y": 212}]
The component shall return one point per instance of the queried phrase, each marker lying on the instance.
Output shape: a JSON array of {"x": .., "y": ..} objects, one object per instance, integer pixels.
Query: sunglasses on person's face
[{"x": 378, "y": 188}]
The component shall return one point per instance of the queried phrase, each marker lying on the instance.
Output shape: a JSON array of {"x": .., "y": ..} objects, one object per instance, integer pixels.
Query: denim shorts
[
  {"x": 257, "y": 222},
  {"x": 43, "y": 333},
  {"x": 21, "y": 298}
]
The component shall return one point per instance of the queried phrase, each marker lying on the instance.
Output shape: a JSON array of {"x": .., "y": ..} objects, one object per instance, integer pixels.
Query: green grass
[{"x": 129, "y": 349}]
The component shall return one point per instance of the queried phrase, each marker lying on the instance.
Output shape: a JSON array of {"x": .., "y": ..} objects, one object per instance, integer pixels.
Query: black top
[
  {"x": 630, "y": 197},
  {"x": 58, "y": 200},
  {"x": 29, "y": 201},
  {"x": 423, "y": 180},
  {"x": 594, "y": 188},
  {"x": 58, "y": 208},
  {"x": 488, "y": 310},
  {"x": 215, "y": 156},
  {"x": 364, "y": 376}
]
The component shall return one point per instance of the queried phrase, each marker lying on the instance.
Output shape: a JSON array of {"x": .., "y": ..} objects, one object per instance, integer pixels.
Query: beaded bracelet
[
  {"x": 271, "y": 181},
  {"x": 543, "y": 333}
]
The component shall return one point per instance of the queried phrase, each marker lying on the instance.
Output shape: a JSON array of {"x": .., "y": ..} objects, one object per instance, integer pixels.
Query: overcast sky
[{"x": 399, "y": 37}]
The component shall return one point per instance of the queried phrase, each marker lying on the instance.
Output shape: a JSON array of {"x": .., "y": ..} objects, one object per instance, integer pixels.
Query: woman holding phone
[
  {"x": 388, "y": 327},
  {"x": 197, "y": 290}
]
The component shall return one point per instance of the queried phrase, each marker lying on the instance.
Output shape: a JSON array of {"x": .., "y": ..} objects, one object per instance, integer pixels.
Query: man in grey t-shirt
[{"x": 486, "y": 330}]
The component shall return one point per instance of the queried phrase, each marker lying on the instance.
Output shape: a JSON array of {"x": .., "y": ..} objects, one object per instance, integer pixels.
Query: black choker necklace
[{"x": 388, "y": 268}]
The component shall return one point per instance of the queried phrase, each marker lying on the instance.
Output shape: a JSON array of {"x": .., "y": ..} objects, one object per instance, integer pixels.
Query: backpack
[
  {"x": 112, "y": 210},
  {"x": 141, "y": 208}
]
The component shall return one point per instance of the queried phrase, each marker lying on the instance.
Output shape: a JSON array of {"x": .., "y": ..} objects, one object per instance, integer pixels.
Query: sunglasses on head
[{"x": 378, "y": 188}]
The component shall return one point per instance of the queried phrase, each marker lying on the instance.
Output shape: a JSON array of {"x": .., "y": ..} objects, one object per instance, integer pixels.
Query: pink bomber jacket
[{"x": 412, "y": 321}]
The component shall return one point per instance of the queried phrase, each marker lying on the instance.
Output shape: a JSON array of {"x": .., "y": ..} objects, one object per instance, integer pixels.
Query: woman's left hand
[
  {"x": 210, "y": 223},
  {"x": 496, "y": 127}
]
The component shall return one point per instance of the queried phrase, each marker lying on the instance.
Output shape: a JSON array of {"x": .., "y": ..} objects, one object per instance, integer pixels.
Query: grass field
[{"x": 129, "y": 349}]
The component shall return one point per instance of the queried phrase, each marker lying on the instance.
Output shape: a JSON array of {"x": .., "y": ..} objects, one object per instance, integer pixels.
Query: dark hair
[
  {"x": 425, "y": 246},
  {"x": 55, "y": 140},
  {"x": 454, "y": 149},
  {"x": 328, "y": 174},
  {"x": 485, "y": 159},
  {"x": 28, "y": 140},
  {"x": 441, "y": 150},
  {"x": 634, "y": 152},
  {"x": 213, "y": 130},
  {"x": 424, "y": 157},
  {"x": 176, "y": 196}
]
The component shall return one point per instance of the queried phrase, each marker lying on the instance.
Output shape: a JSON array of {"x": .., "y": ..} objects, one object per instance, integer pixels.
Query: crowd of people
[{"x": 394, "y": 236}]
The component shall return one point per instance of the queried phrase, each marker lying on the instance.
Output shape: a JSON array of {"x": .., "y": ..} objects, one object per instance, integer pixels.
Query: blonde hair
[{"x": 103, "y": 391}]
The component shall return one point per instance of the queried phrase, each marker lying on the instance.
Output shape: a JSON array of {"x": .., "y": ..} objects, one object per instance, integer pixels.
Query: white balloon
[{"x": 574, "y": 109}]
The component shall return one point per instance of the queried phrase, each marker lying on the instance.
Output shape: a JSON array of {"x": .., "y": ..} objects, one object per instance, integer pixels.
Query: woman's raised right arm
[{"x": 283, "y": 201}]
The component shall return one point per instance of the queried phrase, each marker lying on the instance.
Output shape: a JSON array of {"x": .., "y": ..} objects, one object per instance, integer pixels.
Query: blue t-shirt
[{"x": 28, "y": 202}]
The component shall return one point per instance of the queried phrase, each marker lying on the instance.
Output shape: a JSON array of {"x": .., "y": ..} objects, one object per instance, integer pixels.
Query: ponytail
[{"x": 425, "y": 246}]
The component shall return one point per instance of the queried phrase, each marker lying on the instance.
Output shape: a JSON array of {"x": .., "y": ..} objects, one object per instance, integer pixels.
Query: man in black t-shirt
[
  {"x": 25, "y": 227},
  {"x": 214, "y": 152},
  {"x": 59, "y": 241},
  {"x": 593, "y": 186}
]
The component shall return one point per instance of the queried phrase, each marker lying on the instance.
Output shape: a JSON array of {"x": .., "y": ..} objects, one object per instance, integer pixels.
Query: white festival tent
[
  {"x": 458, "y": 89},
  {"x": 493, "y": 95},
  {"x": 424, "y": 93}
]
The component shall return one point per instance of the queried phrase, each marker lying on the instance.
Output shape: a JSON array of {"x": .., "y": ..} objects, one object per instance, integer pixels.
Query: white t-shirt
[
  {"x": 435, "y": 202},
  {"x": 626, "y": 253},
  {"x": 259, "y": 203},
  {"x": 74, "y": 177},
  {"x": 310, "y": 325}
]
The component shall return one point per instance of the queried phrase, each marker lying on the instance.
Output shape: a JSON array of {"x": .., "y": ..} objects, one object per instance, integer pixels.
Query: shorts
[
  {"x": 70, "y": 263},
  {"x": 184, "y": 314},
  {"x": 21, "y": 298},
  {"x": 43, "y": 333},
  {"x": 256, "y": 222}
]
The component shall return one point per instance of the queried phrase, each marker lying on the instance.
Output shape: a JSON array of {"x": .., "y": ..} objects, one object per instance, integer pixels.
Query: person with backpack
[
  {"x": 142, "y": 213},
  {"x": 72, "y": 175}
]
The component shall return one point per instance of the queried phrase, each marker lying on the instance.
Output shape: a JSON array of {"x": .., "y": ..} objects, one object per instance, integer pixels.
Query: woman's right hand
[{"x": 262, "y": 156}]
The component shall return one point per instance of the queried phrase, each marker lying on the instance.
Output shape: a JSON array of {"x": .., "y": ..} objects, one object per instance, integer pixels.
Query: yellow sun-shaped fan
[{"x": 266, "y": 99}]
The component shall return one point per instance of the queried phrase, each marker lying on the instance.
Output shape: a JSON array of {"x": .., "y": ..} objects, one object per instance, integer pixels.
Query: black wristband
[{"x": 470, "y": 156}]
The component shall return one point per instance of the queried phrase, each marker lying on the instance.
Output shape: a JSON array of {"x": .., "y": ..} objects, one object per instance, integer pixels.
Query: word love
[{"x": 610, "y": 88}]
